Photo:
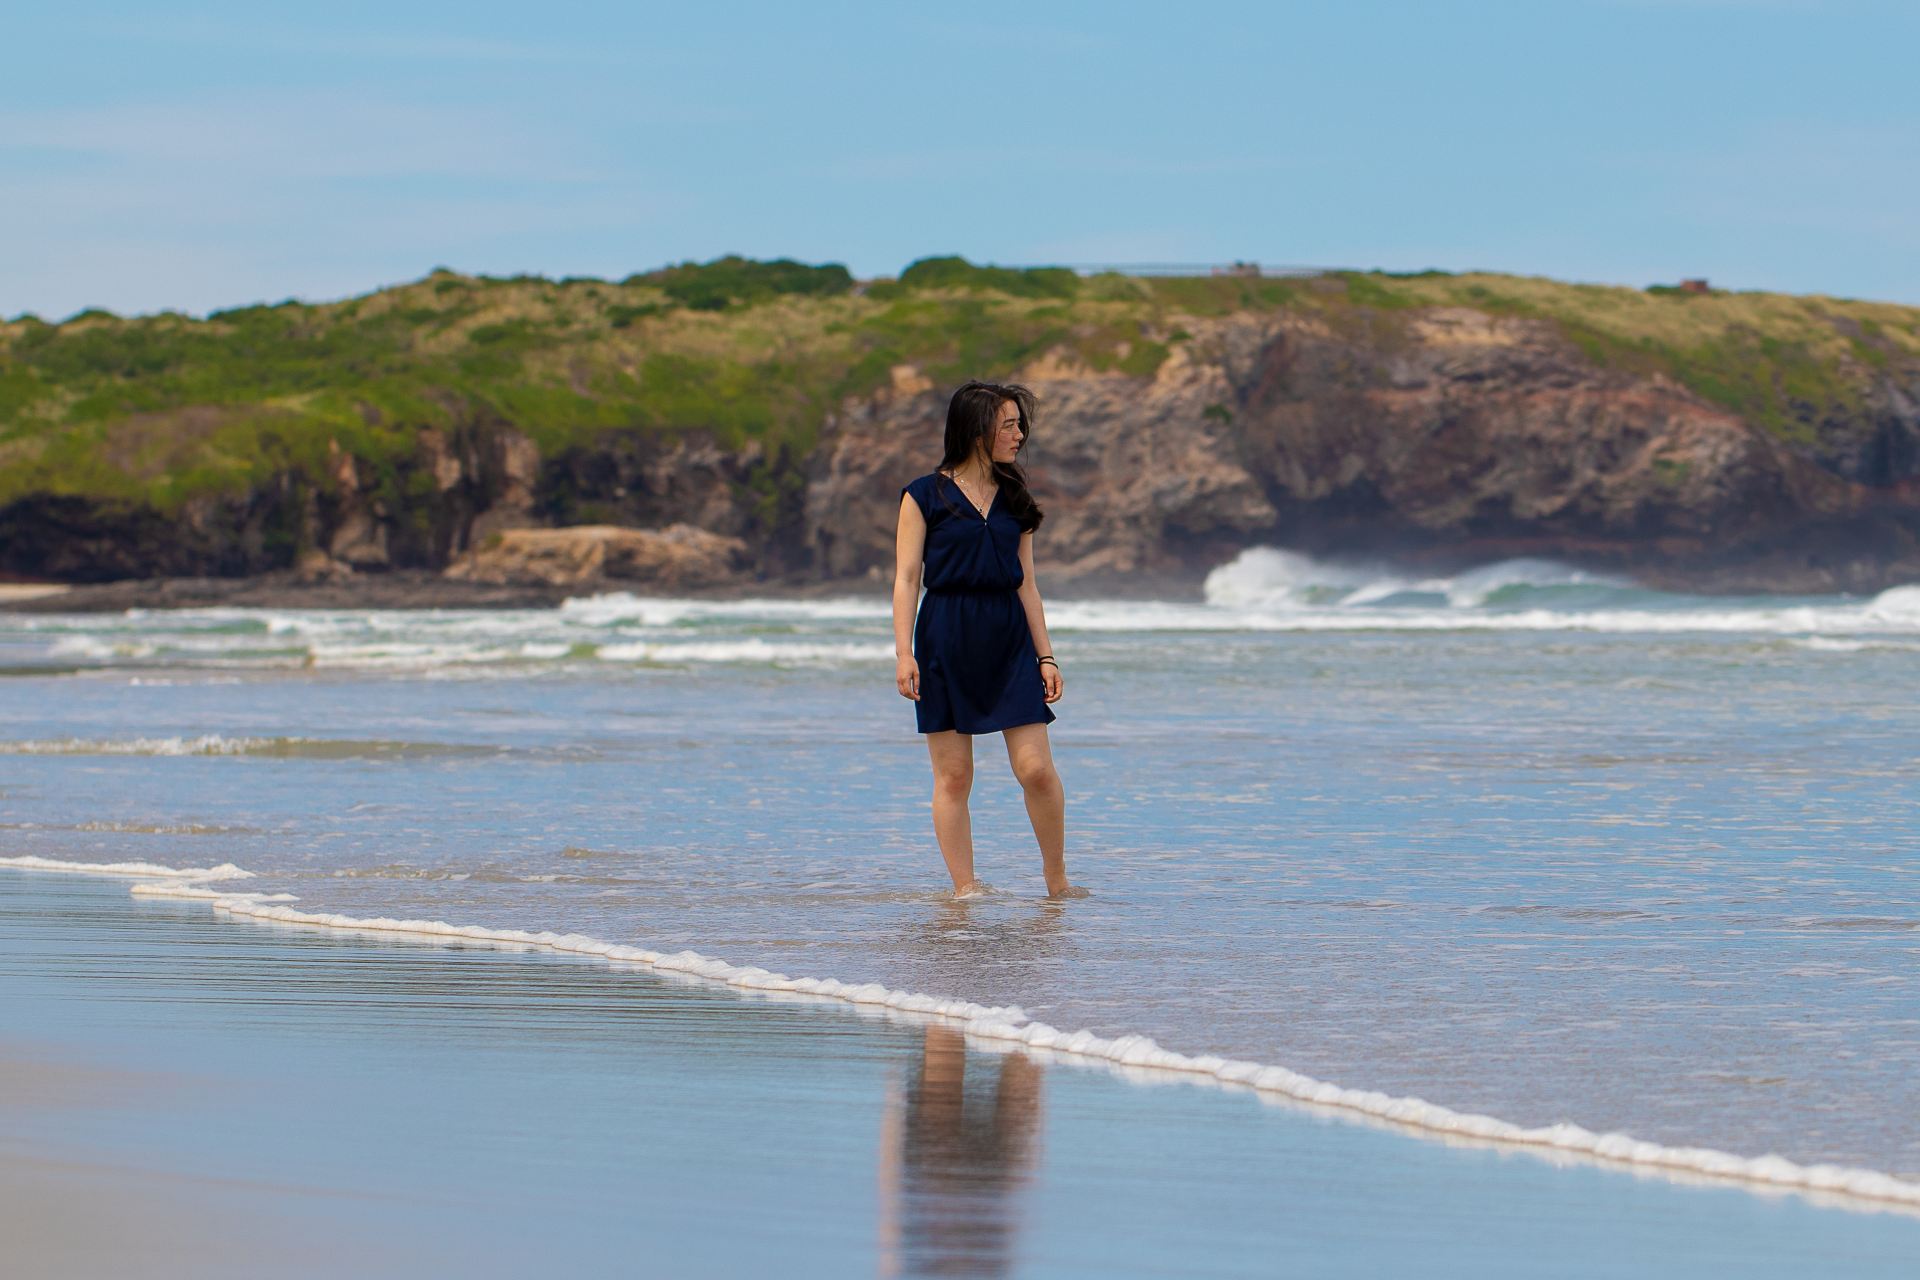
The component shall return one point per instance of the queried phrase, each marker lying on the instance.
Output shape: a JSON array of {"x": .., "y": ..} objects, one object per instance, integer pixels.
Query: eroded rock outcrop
[{"x": 678, "y": 557}]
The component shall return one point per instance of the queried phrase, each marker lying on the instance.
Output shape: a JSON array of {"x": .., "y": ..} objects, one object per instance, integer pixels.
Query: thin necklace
[{"x": 983, "y": 510}]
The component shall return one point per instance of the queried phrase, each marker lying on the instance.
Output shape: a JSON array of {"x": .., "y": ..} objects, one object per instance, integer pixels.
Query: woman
[{"x": 977, "y": 659}]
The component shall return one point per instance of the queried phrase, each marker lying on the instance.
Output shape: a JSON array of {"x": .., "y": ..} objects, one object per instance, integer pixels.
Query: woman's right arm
[{"x": 909, "y": 546}]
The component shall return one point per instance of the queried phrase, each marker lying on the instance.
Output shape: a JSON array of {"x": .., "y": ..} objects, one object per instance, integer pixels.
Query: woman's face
[{"x": 1007, "y": 436}]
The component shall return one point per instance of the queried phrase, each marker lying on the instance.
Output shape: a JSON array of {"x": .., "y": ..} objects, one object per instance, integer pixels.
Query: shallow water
[
  {"x": 321, "y": 1105},
  {"x": 1524, "y": 843}
]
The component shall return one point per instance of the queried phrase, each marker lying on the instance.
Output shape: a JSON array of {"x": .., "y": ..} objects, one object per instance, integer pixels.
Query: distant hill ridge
[{"x": 1726, "y": 438}]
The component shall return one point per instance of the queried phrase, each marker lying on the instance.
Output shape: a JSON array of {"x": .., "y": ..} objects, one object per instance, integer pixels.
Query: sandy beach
[
  {"x": 19, "y": 592},
  {"x": 74, "y": 1205}
]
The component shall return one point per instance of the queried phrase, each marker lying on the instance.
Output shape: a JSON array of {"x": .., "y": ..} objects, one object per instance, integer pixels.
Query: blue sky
[{"x": 192, "y": 157}]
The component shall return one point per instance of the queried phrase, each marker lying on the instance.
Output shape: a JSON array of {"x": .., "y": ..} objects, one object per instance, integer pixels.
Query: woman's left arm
[{"x": 1037, "y": 618}]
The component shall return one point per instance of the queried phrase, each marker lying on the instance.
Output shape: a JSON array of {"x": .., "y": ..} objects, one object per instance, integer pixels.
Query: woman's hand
[
  {"x": 1051, "y": 682},
  {"x": 906, "y": 677}
]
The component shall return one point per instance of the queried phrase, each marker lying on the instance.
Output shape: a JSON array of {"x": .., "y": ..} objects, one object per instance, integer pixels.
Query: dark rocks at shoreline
[
  {"x": 402, "y": 589},
  {"x": 425, "y": 589}
]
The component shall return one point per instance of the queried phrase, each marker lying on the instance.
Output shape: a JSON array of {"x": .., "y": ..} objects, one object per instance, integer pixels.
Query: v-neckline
[{"x": 984, "y": 515}]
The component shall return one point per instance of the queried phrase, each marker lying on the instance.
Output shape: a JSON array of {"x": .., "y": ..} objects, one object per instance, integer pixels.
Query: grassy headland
[{"x": 158, "y": 410}]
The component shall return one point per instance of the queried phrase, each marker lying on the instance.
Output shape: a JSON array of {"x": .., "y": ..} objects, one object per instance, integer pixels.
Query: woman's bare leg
[
  {"x": 952, "y": 755},
  {"x": 1032, "y": 758}
]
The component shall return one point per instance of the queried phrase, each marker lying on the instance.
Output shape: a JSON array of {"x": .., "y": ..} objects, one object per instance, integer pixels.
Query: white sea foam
[
  {"x": 1269, "y": 577},
  {"x": 97, "y": 647},
  {"x": 175, "y": 889},
  {"x": 1268, "y": 589},
  {"x": 208, "y": 744},
  {"x": 1834, "y": 644},
  {"x": 1261, "y": 590},
  {"x": 1010, "y": 1026},
  {"x": 666, "y": 611},
  {"x": 1898, "y": 605},
  {"x": 289, "y": 748},
  {"x": 750, "y": 650},
  {"x": 225, "y": 871},
  {"x": 611, "y": 628},
  {"x": 394, "y": 654}
]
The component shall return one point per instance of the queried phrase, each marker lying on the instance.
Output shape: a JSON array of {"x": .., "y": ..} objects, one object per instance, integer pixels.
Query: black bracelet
[{"x": 1047, "y": 657}]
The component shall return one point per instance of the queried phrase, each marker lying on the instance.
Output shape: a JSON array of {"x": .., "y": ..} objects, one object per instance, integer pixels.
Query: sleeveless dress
[{"x": 978, "y": 671}]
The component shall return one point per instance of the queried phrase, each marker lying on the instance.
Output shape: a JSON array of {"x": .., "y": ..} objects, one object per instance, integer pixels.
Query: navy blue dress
[{"x": 978, "y": 671}]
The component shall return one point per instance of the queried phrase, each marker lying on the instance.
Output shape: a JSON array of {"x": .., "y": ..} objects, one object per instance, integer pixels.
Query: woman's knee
[
  {"x": 1037, "y": 775},
  {"x": 953, "y": 784}
]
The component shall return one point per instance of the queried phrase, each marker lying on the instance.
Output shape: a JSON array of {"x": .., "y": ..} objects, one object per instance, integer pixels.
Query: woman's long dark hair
[{"x": 970, "y": 418}]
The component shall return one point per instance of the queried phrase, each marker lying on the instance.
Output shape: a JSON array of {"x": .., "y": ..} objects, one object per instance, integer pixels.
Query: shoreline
[
  {"x": 370, "y": 1094},
  {"x": 1009, "y": 1029}
]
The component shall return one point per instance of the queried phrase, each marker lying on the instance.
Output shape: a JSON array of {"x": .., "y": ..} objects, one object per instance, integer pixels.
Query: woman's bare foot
[
  {"x": 971, "y": 889},
  {"x": 1069, "y": 891}
]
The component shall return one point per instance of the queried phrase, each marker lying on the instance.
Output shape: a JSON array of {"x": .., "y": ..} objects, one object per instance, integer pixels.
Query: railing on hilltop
[{"x": 1185, "y": 268}]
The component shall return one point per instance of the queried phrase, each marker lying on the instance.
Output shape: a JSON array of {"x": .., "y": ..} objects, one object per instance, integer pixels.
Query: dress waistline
[{"x": 971, "y": 591}]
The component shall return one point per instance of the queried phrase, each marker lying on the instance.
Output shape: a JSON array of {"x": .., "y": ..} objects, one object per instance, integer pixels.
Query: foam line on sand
[{"x": 225, "y": 871}]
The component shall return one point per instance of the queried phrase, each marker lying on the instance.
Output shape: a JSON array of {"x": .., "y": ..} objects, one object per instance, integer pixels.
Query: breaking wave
[{"x": 1264, "y": 588}]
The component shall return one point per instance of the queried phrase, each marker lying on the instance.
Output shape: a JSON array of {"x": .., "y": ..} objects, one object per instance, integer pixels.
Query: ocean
[{"x": 1525, "y": 856}]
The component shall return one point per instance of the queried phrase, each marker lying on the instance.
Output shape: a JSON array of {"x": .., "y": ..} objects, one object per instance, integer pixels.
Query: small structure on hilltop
[
  {"x": 1238, "y": 268},
  {"x": 1694, "y": 286}
]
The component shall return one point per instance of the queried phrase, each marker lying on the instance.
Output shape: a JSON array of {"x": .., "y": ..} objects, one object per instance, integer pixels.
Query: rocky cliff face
[
  {"x": 1445, "y": 434},
  {"x": 1457, "y": 437}
]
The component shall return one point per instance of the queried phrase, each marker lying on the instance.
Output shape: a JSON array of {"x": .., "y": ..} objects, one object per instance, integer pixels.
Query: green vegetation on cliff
[{"x": 159, "y": 409}]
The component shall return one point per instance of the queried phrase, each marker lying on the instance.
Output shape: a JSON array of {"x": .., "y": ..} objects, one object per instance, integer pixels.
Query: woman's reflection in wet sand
[{"x": 952, "y": 1165}]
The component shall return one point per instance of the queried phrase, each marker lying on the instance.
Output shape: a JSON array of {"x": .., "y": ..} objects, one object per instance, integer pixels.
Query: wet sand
[
  {"x": 190, "y": 1095},
  {"x": 74, "y": 1206}
]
